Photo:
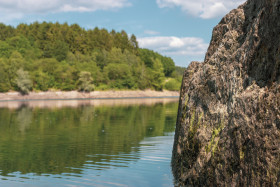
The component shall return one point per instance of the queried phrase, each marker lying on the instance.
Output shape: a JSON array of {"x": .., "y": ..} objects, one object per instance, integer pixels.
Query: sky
[{"x": 180, "y": 29}]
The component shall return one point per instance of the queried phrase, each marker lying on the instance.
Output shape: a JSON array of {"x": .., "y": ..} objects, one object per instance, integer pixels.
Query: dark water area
[{"x": 87, "y": 143}]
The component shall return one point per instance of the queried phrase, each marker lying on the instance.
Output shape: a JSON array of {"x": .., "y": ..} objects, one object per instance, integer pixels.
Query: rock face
[{"x": 228, "y": 125}]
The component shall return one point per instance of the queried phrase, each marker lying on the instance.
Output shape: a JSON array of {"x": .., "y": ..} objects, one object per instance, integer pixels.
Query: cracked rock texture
[{"x": 228, "y": 125}]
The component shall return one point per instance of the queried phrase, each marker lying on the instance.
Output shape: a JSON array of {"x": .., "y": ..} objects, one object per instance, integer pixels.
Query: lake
[{"x": 87, "y": 142}]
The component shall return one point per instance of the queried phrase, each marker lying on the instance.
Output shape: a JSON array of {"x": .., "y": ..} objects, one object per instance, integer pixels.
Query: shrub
[
  {"x": 23, "y": 82},
  {"x": 103, "y": 87},
  {"x": 172, "y": 85},
  {"x": 85, "y": 82}
]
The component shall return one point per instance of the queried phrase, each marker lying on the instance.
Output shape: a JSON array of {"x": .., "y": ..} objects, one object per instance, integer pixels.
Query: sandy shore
[{"x": 60, "y": 95}]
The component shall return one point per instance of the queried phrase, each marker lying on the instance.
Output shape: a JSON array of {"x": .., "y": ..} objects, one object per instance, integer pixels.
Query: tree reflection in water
[{"x": 66, "y": 139}]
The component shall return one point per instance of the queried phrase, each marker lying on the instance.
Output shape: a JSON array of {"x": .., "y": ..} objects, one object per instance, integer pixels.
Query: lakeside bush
[
  {"x": 172, "y": 85},
  {"x": 85, "y": 82},
  {"x": 23, "y": 82}
]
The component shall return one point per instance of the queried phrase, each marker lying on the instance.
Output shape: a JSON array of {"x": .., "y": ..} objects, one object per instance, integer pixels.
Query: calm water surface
[{"x": 87, "y": 143}]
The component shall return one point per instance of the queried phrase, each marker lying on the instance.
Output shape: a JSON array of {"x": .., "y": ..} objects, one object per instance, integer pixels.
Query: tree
[
  {"x": 42, "y": 81},
  {"x": 168, "y": 66},
  {"x": 55, "y": 55},
  {"x": 116, "y": 56},
  {"x": 172, "y": 85},
  {"x": 85, "y": 82},
  {"x": 4, "y": 78},
  {"x": 23, "y": 81},
  {"x": 5, "y": 49},
  {"x": 6, "y": 31},
  {"x": 20, "y": 44},
  {"x": 91, "y": 67},
  {"x": 60, "y": 50},
  {"x": 133, "y": 41},
  {"x": 119, "y": 76},
  {"x": 156, "y": 75},
  {"x": 13, "y": 64},
  {"x": 147, "y": 57},
  {"x": 140, "y": 73}
]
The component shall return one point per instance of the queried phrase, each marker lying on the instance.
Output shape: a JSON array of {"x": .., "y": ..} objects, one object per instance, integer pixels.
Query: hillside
[{"x": 52, "y": 56}]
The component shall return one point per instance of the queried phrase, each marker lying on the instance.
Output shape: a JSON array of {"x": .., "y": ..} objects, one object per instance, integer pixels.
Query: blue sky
[{"x": 180, "y": 29}]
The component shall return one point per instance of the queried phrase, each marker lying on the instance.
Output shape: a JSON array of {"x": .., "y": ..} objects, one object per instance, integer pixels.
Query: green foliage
[
  {"x": 179, "y": 70},
  {"x": 42, "y": 80},
  {"x": 172, "y": 85},
  {"x": 23, "y": 81},
  {"x": 156, "y": 75},
  {"x": 134, "y": 44},
  {"x": 6, "y": 32},
  {"x": 5, "y": 49},
  {"x": 103, "y": 87},
  {"x": 60, "y": 50},
  {"x": 85, "y": 82},
  {"x": 11, "y": 66},
  {"x": 4, "y": 79},
  {"x": 55, "y": 55},
  {"x": 148, "y": 57},
  {"x": 119, "y": 76},
  {"x": 19, "y": 44},
  {"x": 168, "y": 66}
]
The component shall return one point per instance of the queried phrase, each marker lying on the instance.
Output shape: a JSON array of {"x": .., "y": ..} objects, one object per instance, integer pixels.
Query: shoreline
[{"x": 75, "y": 95}]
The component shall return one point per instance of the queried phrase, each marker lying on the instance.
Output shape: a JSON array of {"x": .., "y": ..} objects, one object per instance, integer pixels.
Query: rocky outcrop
[{"x": 228, "y": 125}]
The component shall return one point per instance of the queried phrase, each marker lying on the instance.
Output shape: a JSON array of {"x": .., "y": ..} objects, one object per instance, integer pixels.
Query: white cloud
[
  {"x": 182, "y": 50},
  {"x": 205, "y": 9},
  {"x": 151, "y": 32},
  {"x": 174, "y": 45},
  {"x": 23, "y": 7}
]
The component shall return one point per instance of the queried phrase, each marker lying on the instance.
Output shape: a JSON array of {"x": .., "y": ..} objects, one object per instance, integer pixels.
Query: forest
[{"x": 53, "y": 56}]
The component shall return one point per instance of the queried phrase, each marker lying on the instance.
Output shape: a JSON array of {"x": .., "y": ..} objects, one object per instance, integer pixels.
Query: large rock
[{"x": 228, "y": 125}]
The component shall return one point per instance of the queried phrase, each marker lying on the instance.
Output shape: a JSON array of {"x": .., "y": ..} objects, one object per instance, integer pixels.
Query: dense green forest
[{"x": 52, "y": 56}]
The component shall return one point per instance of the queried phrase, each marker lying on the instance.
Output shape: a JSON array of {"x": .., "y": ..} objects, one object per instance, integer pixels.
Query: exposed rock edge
[{"x": 228, "y": 125}]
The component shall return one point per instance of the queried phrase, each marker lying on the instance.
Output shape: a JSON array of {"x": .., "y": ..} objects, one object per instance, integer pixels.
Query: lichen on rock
[{"x": 228, "y": 125}]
